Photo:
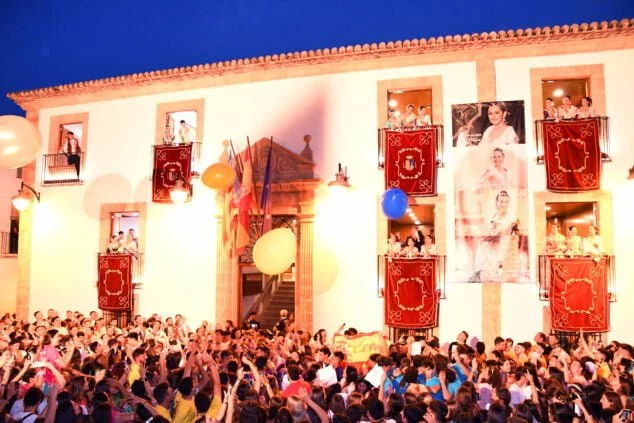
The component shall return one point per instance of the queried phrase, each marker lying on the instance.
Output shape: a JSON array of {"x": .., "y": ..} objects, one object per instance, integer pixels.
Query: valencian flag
[
  {"x": 246, "y": 198},
  {"x": 266, "y": 200}
]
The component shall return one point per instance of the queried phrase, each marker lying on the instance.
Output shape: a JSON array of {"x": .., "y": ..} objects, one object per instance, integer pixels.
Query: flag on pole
[
  {"x": 267, "y": 197},
  {"x": 246, "y": 198},
  {"x": 231, "y": 211}
]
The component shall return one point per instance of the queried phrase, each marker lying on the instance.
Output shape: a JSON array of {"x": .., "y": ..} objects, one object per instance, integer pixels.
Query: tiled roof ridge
[{"x": 450, "y": 42}]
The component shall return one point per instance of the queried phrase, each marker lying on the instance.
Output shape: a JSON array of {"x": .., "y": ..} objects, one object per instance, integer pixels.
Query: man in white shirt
[
  {"x": 326, "y": 376},
  {"x": 520, "y": 390}
]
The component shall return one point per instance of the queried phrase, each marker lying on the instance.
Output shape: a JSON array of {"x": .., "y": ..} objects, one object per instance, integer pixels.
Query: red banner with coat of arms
[
  {"x": 172, "y": 163},
  {"x": 411, "y": 297},
  {"x": 579, "y": 297},
  {"x": 572, "y": 155},
  {"x": 114, "y": 284},
  {"x": 410, "y": 161}
]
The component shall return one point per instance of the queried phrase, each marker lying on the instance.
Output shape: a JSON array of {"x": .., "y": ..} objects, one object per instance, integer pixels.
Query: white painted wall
[
  {"x": 339, "y": 111},
  {"x": 521, "y": 310}
]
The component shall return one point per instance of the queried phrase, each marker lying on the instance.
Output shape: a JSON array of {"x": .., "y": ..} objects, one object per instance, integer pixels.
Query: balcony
[
  {"x": 441, "y": 274},
  {"x": 137, "y": 267},
  {"x": 195, "y": 166},
  {"x": 440, "y": 143},
  {"x": 545, "y": 276},
  {"x": 63, "y": 169},
  {"x": 604, "y": 141}
]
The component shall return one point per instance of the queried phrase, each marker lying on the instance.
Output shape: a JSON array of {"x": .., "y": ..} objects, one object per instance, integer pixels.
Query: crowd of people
[
  {"x": 410, "y": 119},
  {"x": 122, "y": 243},
  {"x": 417, "y": 244},
  {"x": 573, "y": 245},
  {"x": 85, "y": 369},
  {"x": 568, "y": 110}
]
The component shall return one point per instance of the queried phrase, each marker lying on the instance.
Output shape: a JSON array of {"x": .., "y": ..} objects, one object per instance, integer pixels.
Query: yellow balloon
[
  {"x": 275, "y": 251},
  {"x": 19, "y": 142},
  {"x": 219, "y": 176}
]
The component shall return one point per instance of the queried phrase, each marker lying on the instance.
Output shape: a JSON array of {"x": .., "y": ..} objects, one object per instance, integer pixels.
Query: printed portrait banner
[
  {"x": 359, "y": 348},
  {"x": 171, "y": 163},
  {"x": 410, "y": 161},
  {"x": 490, "y": 193},
  {"x": 579, "y": 294},
  {"x": 411, "y": 298},
  {"x": 114, "y": 284},
  {"x": 572, "y": 155}
]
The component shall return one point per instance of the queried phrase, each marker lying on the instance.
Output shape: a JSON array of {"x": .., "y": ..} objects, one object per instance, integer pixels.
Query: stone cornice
[{"x": 150, "y": 82}]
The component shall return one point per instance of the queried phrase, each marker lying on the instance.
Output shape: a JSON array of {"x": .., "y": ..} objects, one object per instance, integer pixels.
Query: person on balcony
[
  {"x": 555, "y": 241},
  {"x": 428, "y": 248},
  {"x": 586, "y": 110},
  {"x": 573, "y": 243},
  {"x": 410, "y": 250},
  {"x": 567, "y": 110},
  {"x": 393, "y": 121},
  {"x": 423, "y": 118},
  {"x": 550, "y": 111},
  {"x": 113, "y": 245},
  {"x": 186, "y": 132},
  {"x": 592, "y": 243},
  {"x": 393, "y": 246},
  {"x": 409, "y": 117},
  {"x": 71, "y": 149}
]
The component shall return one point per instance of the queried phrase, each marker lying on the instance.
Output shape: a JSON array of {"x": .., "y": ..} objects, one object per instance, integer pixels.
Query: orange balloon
[
  {"x": 219, "y": 176},
  {"x": 19, "y": 142}
]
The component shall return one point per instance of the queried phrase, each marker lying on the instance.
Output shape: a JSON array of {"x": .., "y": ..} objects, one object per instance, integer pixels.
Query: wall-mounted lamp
[
  {"x": 631, "y": 175},
  {"x": 179, "y": 192},
  {"x": 22, "y": 200},
  {"x": 341, "y": 178}
]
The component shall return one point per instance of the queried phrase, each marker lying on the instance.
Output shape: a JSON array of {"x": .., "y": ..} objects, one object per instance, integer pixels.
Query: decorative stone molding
[{"x": 528, "y": 36}]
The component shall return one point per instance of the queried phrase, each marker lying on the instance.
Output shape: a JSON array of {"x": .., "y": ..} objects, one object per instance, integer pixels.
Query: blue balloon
[{"x": 394, "y": 203}]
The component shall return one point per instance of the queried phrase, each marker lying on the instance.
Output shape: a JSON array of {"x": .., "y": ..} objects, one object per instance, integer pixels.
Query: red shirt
[{"x": 294, "y": 387}]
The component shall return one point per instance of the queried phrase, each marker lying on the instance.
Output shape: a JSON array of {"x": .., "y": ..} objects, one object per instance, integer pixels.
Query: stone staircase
[{"x": 284, "y": 298}]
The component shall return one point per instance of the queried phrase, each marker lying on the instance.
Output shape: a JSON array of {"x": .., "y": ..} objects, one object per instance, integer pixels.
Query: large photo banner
[{"x": 490, "y": 192}]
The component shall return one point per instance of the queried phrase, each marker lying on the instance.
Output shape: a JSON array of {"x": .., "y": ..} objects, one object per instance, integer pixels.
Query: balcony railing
[
  {"x": 63, "y": 169},
  {"x": 440, "y": 143},
  {"x": 196, "y": 148},
  {"x": 604, "y": 137},
  {"x": 545, "y": 277},
  {"x": 137, "y": 267},
  {"x": 441, "y": 274}
]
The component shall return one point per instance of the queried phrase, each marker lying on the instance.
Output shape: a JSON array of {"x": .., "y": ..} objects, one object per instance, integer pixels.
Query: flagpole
[
  {"x": 257, "y": 205},
  {"x": 266, "y": 185}
]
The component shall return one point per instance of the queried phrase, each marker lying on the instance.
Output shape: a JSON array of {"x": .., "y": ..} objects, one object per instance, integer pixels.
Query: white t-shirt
[
  {"x": 519, "y": 395},
  {"x": 18, "y": 408}
]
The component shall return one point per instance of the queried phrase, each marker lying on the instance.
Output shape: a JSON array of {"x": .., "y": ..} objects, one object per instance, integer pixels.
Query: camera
[{"x": 626, "y": 415}]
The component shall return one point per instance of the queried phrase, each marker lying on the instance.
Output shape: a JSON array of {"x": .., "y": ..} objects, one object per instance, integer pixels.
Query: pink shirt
[{"x": 50, "y": 354}]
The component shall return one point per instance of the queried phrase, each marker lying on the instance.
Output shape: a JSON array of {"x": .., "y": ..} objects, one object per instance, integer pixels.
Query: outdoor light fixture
[
  {"x": 341, "y": 178},
  {"x": 23, "y": 199},
  {"x": 631, "y": 175},
  {"x": 179, "y": 192}
]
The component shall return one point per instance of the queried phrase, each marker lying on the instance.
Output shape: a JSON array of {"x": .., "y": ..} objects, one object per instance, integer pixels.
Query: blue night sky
[{"x": 48, "y": 42}]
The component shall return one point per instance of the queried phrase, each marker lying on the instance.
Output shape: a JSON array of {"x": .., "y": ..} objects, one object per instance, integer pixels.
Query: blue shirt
[{"x": 433, "y": 381}]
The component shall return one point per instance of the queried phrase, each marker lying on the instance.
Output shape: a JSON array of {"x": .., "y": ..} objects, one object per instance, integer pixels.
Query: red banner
[
  {"x": 410, "y": 161},
  {"x": 114, "y": 286},
  {"x": 171, "y": 163},
  {"x": 579, "y": 296},
  {"x": 411, "y": 298},
  {"x": 572, "y": 155}
]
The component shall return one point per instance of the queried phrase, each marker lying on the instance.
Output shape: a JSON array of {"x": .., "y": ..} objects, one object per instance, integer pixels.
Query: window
[
  {"x": 409, "y": 108},
  {"x": 65, "y": 163}
]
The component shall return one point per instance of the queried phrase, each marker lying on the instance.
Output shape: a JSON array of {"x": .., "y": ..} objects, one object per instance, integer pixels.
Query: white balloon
[
  {"x": 19, "y": 142},
  {"x": 275, "y": 251}
]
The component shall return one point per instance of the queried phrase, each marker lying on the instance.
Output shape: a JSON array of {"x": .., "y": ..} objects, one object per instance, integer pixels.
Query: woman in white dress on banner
[
  {"x": 499, "y": 133},
  {"x": 495, "y": 177}
]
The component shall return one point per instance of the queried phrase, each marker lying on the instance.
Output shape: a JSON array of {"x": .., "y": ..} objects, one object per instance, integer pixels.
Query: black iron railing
[
  {"x": 440, "y": 144},
  {"x": 604, "y": 137},
  {"x": 63, "y": 169},
  {"x": 441, "y": 274},
  {"x": 544, "y": 275}
]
